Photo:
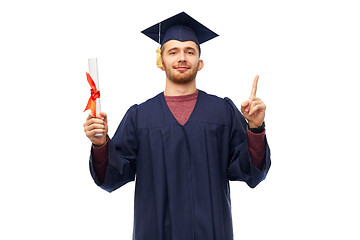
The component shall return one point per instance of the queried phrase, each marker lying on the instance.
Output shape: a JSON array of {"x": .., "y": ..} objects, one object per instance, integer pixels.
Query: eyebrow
[{"x": 186, "y": 48}]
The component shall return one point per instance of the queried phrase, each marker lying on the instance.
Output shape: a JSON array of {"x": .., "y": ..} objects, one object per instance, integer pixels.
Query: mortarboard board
[{"x": 180, "y": 27}]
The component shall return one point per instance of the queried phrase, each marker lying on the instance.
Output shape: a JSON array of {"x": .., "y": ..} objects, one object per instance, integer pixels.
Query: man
[{"x": 183, "y": 146}]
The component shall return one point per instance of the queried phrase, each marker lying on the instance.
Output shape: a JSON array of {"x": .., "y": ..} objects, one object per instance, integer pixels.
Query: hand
[
  {"x": 95, "y": 125},
  {"x": 254, "y": 109}
]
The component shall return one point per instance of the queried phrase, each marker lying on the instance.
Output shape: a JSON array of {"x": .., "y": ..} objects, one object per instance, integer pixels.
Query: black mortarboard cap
[{"x": 180, "y": 27}]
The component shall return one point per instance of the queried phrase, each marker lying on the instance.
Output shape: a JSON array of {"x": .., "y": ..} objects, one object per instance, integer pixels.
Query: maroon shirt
[{"x": 182, "y": 107}]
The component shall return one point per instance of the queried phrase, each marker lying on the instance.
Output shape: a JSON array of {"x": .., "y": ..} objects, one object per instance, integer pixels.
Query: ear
[
  {"x": 201, "y": 64},
  {"x": 162, "y": 64}
]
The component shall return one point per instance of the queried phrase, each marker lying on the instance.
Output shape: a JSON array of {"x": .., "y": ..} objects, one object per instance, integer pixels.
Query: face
[{"x": 181, "y": 61}]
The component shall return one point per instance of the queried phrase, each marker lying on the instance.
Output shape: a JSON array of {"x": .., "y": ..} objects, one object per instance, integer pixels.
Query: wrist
[
  {"x": 100, "y": 142},
  {"x": 253, "y": 125}
]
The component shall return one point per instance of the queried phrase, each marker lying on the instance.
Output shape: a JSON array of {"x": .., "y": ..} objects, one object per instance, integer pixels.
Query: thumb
[
  {"x": 245, "y": 104},
  {"x": 103, "y": 115}
]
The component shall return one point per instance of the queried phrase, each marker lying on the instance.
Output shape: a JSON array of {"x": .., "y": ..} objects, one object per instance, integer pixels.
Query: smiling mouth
[{"x": 182, "y": 68}]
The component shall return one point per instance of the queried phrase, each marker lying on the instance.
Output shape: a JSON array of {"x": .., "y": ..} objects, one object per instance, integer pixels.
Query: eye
[
  {"x": 190, "y": 52},
  {"x": 172, "y": 53}
]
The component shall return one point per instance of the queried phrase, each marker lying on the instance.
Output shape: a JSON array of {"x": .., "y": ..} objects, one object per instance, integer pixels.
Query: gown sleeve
[
  {"x": 122, "y": 154},
  {"x": 99, "y": 161},
  {"x": 257, "y": 147},
  {"x": 241, "y": 167}
]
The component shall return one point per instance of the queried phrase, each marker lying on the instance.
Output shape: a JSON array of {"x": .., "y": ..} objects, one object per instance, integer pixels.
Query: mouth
[{"x": 182, "y": 68}]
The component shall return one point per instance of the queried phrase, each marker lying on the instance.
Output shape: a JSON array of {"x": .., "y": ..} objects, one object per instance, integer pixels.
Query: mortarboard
[{"x": 180, "y": 27}]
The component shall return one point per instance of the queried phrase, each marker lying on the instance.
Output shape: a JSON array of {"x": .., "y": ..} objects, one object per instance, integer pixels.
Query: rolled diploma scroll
[{"x": 93, "y": 71}]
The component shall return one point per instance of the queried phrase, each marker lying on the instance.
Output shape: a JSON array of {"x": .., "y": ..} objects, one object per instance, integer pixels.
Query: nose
[{"x": 182, "y": 57}]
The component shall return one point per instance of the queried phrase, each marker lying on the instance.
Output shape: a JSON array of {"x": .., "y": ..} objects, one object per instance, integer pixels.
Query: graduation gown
[{"x": 182, "y": 171}]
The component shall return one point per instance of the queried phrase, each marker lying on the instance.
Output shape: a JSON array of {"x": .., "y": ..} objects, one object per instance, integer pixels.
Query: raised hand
[
  {"x": 254, "y": 108},
  {"x": 95, "y": 125}
]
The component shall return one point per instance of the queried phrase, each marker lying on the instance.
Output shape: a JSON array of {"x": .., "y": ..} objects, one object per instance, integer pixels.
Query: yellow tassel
[
  {"x": 158, "y": 51},
  {"x": 158, "y": 58}
]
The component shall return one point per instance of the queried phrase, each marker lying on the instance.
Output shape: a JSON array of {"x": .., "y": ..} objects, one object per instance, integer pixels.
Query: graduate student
[{"x": 183, "y": 145}]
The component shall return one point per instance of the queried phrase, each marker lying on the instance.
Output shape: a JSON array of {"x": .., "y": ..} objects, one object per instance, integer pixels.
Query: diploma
[{"x": 93, "y": 71}]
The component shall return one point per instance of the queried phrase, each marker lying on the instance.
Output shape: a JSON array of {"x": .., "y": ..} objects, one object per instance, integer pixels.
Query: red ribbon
[{"x": 94, "y": 95}]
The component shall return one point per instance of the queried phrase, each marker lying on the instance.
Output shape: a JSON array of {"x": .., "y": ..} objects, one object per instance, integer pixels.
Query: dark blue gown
[{"x": 182, "y": 172}]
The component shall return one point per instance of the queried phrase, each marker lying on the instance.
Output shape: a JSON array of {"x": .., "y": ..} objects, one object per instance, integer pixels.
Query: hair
[{"x": 199, "y": 50}]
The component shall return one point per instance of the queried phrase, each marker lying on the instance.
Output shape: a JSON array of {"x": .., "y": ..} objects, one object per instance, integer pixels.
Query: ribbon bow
[{"x": 94, "y": 95}]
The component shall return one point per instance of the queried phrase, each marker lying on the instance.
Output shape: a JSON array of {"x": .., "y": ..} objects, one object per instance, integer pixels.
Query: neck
[{"x": 175, "y": 89}]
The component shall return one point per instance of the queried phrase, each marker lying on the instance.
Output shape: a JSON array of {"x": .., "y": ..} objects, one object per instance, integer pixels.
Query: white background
[{"x": 306, "y": 53}]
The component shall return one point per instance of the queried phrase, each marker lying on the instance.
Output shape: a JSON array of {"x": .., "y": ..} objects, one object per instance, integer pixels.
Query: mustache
[{"x": 182, "y": 65}]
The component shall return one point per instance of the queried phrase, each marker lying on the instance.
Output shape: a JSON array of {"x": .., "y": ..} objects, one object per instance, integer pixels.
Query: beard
[{"x": 181, "y": 77}]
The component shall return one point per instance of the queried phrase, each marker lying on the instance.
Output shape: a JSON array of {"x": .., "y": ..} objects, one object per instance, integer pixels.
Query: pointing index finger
[{"x": 254, "y": 87}]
